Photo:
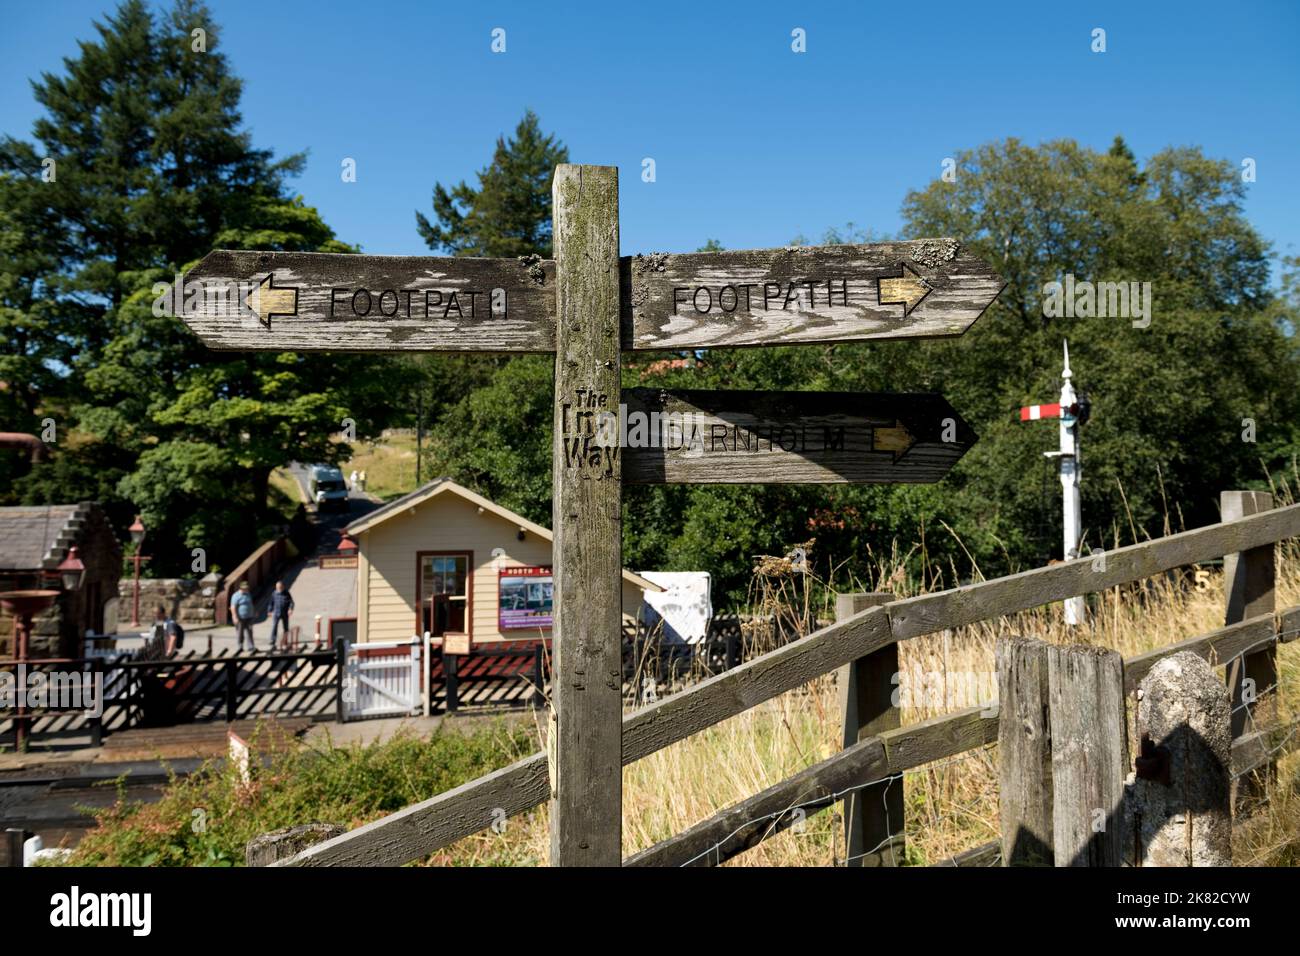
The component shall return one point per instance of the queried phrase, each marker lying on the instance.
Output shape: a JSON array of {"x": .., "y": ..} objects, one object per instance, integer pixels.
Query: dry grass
[
  {"x": 389, "y": 465},
  {"x": 951, "y": 806}
]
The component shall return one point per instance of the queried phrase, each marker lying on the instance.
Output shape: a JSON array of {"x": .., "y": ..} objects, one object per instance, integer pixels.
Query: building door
[{"x": 444, "y": 593}]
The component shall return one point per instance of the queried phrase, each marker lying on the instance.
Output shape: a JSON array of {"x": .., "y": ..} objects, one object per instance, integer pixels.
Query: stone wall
[
  {"x": 191, "y": 601},
  {"x": 58, "y": 631}
]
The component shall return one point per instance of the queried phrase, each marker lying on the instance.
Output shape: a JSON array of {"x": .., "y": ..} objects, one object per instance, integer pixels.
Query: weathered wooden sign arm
[
  {"x": 739, "y": 437},
  {"x": 296, "y": 301},
  {"x": 926, "y": 288}
]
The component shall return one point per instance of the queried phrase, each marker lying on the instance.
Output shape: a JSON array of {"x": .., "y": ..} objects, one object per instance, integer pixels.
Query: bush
[{"x": 206, "y": 818}]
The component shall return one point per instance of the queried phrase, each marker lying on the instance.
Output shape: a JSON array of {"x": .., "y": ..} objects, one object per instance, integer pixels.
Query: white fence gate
[{"x": 382, "y": 678}]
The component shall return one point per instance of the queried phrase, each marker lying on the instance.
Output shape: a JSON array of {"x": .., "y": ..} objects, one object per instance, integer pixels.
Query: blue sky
[{"x": 753, "y": 143}]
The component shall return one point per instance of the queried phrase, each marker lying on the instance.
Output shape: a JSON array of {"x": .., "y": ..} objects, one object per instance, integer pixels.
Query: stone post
[{"x": 1177, "y": 803}]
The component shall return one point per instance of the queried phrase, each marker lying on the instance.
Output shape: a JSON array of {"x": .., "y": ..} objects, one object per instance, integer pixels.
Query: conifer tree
[{"x": 509, "y": 214}]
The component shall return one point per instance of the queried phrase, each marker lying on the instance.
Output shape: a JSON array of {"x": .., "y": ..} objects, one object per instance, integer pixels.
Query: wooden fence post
[
  {"x": 1248, "y": 588},
  {"x": 1089, "y": 754},
  {"x": 451, "y": 678},
  {"x": 11, "y": 846},
  {"x": 587, "y": 688},
  {"x": 873, "y": 816},
  {"x": 1024, "y": 753},
  {"x": 1178, "y": 802}
]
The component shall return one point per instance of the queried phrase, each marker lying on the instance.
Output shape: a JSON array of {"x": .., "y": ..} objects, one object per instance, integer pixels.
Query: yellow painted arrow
[
  {"x": 907, "y": 290},
  {"x": 896, "y": 439},
  {"x": 267, "y": 301}
]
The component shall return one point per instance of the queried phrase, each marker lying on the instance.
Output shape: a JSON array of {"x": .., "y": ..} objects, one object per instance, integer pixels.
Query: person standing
[
  {"x": 281, "y": 608},
  {"x": 167, "y": 632},
  {"x": 242, "y": 612}
]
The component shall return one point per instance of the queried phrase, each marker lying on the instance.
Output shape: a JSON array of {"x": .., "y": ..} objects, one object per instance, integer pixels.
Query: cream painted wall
[{"x": 387, "y": 567}]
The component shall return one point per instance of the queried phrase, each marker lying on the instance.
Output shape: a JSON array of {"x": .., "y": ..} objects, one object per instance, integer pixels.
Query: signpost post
[{"x": 588, "y": 306}]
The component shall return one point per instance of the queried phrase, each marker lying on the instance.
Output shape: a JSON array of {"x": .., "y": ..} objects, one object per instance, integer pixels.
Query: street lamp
[
  {"x": 24, "y": 605},
  {"x": 72, "y": 571},
  {"x": 137, "y": 535}
]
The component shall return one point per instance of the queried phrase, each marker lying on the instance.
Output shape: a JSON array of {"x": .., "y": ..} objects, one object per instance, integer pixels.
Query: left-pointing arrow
[{"x": 266, "y": 300}]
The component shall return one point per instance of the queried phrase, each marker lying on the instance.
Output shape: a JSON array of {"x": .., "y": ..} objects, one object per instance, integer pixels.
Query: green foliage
[
  {"x": 206, "y": 818},
  {"x": 497, "y": 439},
  {"x": 153, "y": 171},
  {"x": 1168, "y": 400},
  {"x": 491, "y": 417}
]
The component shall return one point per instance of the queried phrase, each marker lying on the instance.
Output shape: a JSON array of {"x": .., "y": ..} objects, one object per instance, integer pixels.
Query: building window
[{"x": 444, "y": 593}]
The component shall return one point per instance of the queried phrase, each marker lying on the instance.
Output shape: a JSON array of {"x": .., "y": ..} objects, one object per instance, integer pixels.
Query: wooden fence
[
  {"x": 186, "y": 688},
  {"x": 1248, "y": 643}
]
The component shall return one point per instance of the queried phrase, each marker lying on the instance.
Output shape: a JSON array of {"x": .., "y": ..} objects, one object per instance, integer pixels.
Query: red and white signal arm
[{"x": 1031, "y": 413}]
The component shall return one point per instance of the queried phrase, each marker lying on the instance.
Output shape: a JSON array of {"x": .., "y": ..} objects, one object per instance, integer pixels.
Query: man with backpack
[
  {"x": 168, "y": 632},
  {"x": 242, "y": 612},
  {"x": 281, "y": 607}
]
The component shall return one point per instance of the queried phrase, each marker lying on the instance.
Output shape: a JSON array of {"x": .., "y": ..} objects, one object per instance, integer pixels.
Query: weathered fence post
[
  {"x": 11, "y": 846},
  {"x": 1178, "y": 801},
  {"x": 281, "y": 844},
  {"x": 1089, "y": 754},
  {"x": 873, "y": 816},
  {"x": 1248, "y": 588},
  {"x": 1024, "y": 753},
  {"x": 587, "y": 689}
]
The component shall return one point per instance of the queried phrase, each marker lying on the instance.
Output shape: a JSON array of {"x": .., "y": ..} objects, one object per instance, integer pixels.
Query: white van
[{"x": 328, "y": 488}]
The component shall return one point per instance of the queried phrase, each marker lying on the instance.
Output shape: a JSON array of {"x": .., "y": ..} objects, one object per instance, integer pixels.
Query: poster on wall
[{"x": 525, "y": 598}]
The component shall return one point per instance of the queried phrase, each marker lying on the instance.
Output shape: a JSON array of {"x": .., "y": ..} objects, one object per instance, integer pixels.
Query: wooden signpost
[{"x": 588, "y": 306}]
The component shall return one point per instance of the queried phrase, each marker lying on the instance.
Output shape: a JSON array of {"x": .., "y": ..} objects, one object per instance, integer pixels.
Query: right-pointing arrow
[
  {"x": 894, "y": 438},
  {"x": 907, "y": 290}
]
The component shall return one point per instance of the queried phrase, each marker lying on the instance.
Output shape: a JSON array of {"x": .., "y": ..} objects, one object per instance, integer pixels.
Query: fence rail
[
  {"x": 889, "y": 754},
  {"x": 425, "y": 827}
]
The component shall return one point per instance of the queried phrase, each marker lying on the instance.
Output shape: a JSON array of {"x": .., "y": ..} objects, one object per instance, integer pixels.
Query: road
[{"x": 332, "y": 523}]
